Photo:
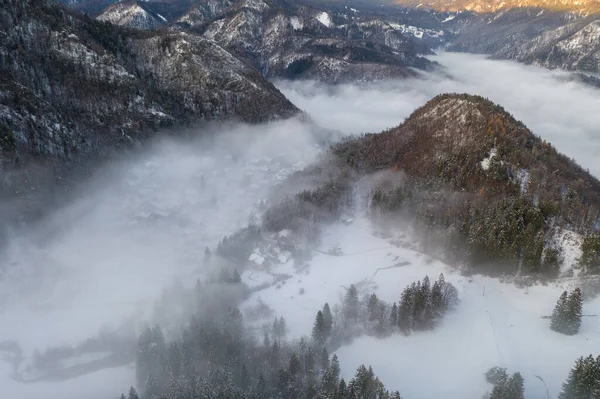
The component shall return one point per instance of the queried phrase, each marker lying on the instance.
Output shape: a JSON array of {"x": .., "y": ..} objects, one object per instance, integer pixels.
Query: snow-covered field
[
  {"x": 496, "y": 324},
  {"x": 99, "y": 263}
]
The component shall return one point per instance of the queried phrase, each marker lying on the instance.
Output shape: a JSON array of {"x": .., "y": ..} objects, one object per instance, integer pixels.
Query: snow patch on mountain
[
  {"x": 296, "y": 23},
  {"x": 569, "y": 243},
  {"x": 131, "y": 15},
  {"x": 485, "y": 164},
  {"x": 324, "y": 18}
]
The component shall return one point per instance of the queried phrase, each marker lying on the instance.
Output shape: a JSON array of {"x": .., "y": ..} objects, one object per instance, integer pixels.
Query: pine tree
[
  {"x": 244, "y": 379},
  {"x": 437, "y": 299},
  {"x": 236, "y": 278},
  {"x": 294, "y": 366},
  {"x": 406, "y": 310},
  {"x": 571, "y": 385},
  {"x": 260, "y": 392},
  {"x": 394, "y": 316},
  {"x": 330, "y": 379},
  {"x": 309, "y": 365},
  {"x": 583, "y": 381},
  {"x": 324, "y": 361},
  {"x": 279, "y": 329},
  {"x": 327, "y": 318},
  {"x": 514, "y": 387},
  {"x": 574, "y": 312},
  {"x": 342, "y": 390},
  {"x": 133, "y": 394},
  {"x": 558, "y": 322},
  {"x": 319, "y": 332},
  {"x": 351, "y": 304},
  {"x": 373, "y": 307},
  {"x": 152, "y": 387},
  {"x": 282, "y": 327}
]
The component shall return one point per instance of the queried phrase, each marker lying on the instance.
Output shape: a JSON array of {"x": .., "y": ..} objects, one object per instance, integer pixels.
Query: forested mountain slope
[
  {"x": 478, "y": 185},
  {"x": 72, "y": 87}
]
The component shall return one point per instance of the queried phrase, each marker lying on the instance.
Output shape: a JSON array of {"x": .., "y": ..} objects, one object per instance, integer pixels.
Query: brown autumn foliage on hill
[{"x": 479, "y": 182}]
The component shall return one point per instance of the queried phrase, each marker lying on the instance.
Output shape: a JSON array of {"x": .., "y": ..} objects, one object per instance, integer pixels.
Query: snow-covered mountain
[
  {"x": 131, "y": 14},
  {"x": 303, "y": 42},
  {"x": 486, "y": 6},
  {"x": 135, "y": 83},
  {"x": 554, "y": 40}
]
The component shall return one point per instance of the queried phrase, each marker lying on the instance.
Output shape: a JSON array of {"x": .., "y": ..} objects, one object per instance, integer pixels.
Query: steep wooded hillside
[
  {"x": 482, "y": 189},
  {"x": 72, "y": 88}
]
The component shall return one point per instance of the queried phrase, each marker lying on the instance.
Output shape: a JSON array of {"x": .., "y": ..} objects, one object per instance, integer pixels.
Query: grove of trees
[{"x": 566, "y": 317}]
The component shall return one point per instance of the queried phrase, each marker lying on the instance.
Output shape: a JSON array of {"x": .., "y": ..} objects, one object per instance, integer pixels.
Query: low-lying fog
[{"x": 100, "y": 262}]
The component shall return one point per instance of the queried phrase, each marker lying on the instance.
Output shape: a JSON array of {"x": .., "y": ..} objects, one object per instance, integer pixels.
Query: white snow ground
[{"x": 496, "y": 324}]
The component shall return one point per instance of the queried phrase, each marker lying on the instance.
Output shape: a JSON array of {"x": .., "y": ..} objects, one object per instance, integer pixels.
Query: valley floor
[
  {"x": 102, "y": 262},
  {"x": 496, "y": 324}
]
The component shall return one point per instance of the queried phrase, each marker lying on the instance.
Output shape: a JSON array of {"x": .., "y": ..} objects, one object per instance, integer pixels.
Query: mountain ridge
[
  {"x": 489, "y": 6},
  {"x": 477, "y": 183},
  {"x": 135, "y": 84}
]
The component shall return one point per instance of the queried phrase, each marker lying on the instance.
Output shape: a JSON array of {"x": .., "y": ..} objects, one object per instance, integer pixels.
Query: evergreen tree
[
  {"x": 406, "y": 310},
  {"x": 509, "y": 388},
  {"x": 260, "y": 391},
  {"x": 327, "y": 318},
  {"x": 583, "y": 381},
  {"x": 351, "y": 304},
  {"x": 319, "y": 332},
  {"x": 394, "y": 316},
  {"x": 279, "y": 328},
  {"x": 373, "y": 308},
  {"x": 152, "y": 389},
  {"x": 324, "y": 361},
  {"x": 282, "y": 327},
  {"x": 133, "y": 394},
  {"x": 236, "y": 278},
  {"x": 342, "y": 390},
  {"x": 330, "y": 378},
  {"x": 310, "y": 365},
  {"x": 244, "y": 379},
  {"x": 558, "y": 319},
  {"x": 437, "y": 299},
  {"x": 574, "y": 312},
  {"x": 514, "y": 387},
  {"x": 294, "y": 366}
]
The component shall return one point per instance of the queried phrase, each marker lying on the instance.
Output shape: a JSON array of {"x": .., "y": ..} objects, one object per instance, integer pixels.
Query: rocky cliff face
[{"x": 72, "y": 88}]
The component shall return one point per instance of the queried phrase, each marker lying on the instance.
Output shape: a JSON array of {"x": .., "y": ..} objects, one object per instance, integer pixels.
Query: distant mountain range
[
  {"x": 486, "y": 6},
  {"x": 550, "y": 39}
]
